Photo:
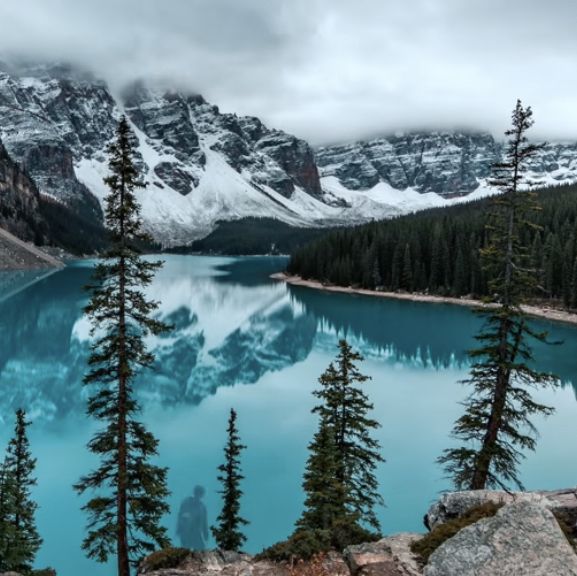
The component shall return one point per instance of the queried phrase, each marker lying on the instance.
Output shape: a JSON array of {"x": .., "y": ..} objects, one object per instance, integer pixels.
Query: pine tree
[
  {"x": 496, "y": 426},
  {"x": 407, "y": 279},
  {"x": 7, "y": 532},
  {"x": 435, "y": 277},
  {"x": 19, "y": 539},
  {"x": 344, "y": 409},
  {"x": 460, "y": 284},
  {"x": 227, "y": 533},
  {"x": 573, "y": 303},
  {"x": 325, "y": 501},
  {"x": 124, "y": 519}
]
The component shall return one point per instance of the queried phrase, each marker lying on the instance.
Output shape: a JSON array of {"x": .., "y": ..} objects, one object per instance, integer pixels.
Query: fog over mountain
[{"x": 326, "y": 70}]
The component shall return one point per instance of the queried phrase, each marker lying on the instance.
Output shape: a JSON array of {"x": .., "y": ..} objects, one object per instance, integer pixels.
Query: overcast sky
[{"x": 328, "y": 70}]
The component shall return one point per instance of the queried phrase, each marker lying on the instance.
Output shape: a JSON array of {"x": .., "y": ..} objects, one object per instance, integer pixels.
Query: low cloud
[{"x": 327, "y": 70}]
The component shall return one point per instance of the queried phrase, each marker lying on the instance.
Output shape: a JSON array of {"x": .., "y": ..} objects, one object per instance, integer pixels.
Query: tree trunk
[{"x": 122, "y": 534}]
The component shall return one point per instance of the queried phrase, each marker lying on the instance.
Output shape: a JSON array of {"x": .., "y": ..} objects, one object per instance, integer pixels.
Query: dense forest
[
  {"x": 437, "y": 251},
  {"x": 63, "y": 227},
  {"x": 253, "y": 236}
]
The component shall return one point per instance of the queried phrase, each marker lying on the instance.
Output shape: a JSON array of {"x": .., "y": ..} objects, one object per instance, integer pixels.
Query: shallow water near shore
[{"x": 245, "y": 341}]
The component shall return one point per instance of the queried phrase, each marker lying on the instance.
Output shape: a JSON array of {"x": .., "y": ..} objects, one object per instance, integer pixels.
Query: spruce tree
[
  {"x": 496, "y": 425},
  {"x": 344, "y": 409},
  {"x": 124, "y": 516},
  {"x": 407, "y": 279},
  {"x": 325, "y": 501},
  {"x": 6, "y": 515},
  {"x": 19, "y": 539},
  {"x": 228, "y": 533}
]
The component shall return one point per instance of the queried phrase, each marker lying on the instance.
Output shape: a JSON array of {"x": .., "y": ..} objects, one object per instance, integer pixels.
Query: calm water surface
[{"x": 244, "y": 341}]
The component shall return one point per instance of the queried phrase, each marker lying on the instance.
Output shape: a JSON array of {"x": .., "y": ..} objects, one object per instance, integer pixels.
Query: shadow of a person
[{"x": 192, "y": 526}]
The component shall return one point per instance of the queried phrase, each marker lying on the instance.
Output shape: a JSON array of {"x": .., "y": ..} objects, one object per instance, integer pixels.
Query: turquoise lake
[{"x": 245, "y": 341}]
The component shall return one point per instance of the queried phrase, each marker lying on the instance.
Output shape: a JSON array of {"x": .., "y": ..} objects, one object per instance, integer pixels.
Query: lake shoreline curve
[{"x": 540, "y": 312}]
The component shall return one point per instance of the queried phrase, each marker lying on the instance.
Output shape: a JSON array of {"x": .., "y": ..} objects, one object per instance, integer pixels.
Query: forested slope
[{"x": 437, "y": 251}]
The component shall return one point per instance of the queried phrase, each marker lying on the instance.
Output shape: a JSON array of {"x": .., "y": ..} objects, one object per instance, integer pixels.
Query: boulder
[
  {"x": 456, "y": 504},
  {"x": 389, "y": 556},
  {"x": 400, "y": 546},
  {"x": 523, "y": 538}
]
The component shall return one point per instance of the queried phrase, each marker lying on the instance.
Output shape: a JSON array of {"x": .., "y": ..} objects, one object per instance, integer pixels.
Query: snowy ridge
[
  {"x": 203, "y": 166},
  {"x": 448, "y": 164}
]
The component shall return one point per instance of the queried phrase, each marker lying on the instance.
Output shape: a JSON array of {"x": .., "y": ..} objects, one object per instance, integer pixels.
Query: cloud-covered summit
[{"x": 327, "y": 70}]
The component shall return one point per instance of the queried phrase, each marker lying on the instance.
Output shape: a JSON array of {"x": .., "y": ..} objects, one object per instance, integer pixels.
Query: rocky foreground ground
[{"x": 531, "y": 534}]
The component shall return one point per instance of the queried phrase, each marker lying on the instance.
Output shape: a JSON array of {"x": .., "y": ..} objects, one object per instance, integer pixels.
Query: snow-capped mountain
[
  {"x": 450, "y": 164},
  {"x": 203, "y": 166}
]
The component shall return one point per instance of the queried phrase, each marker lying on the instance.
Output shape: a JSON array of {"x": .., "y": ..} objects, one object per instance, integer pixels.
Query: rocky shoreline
[
  {"x": 15, "y": 254},
  {"x": 524, "y": 537},
  {"x": 545, "y": 313}
]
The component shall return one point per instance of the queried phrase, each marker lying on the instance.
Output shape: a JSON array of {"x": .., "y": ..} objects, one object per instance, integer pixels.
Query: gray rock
[
  {"x": 391, "y": 555},
  {"x": 456, "y": 504},
  {"x": 523, "y": 539},
  {"x": 400, "y": 547},
  {"x": 176, "y": 177},
  {"x": 221, "y": 563}
]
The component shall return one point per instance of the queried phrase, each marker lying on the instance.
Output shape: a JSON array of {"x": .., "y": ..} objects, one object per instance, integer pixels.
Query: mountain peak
[{"x": 203, "y": 166}]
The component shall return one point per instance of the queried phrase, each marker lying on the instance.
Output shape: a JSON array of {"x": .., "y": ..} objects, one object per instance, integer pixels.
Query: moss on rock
[
  {"x": 424, "y": 547},
  {"x": 166, "y": 558}
]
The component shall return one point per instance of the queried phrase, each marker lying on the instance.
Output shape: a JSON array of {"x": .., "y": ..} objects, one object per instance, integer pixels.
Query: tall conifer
[
  {"x": 19, "y": 539},
  {"x": 325, "y": 500},
  {"x": 228, "y": 533},
  {"x": 124, "y": 517},
  {"x": 6, "y": 513},
  {"x": 496, "y": 425},
  {"x": 344, "y": 409}
]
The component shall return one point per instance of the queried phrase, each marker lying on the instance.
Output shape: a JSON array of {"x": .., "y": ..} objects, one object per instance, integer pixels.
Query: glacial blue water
[{"x": 242, "y": 340}]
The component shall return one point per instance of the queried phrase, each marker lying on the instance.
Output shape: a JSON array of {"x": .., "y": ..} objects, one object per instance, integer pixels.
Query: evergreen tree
[
  {"x": 460, "y": 275},
  {"x": 496, "y": 425},
  {"x": 6, "y": 515},
  {"x": 19, "y": 539},
  {"x": 573, "y": 303},
  {"x": 325, "y": 501},
  {"x": 407, "y": 279},
  {"x": 124, "y": 518},
  {"x": 227, "y": 533},
  {"x": 344, "y": 410},
  {"x": 435, "y": 278}
]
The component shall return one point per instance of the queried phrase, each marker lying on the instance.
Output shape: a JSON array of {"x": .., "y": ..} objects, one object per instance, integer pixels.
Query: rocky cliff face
[
  {"x": 447, "y": 163},
  {"x": 19, "y": 201},
  {"x": 50, "y": 117}
]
